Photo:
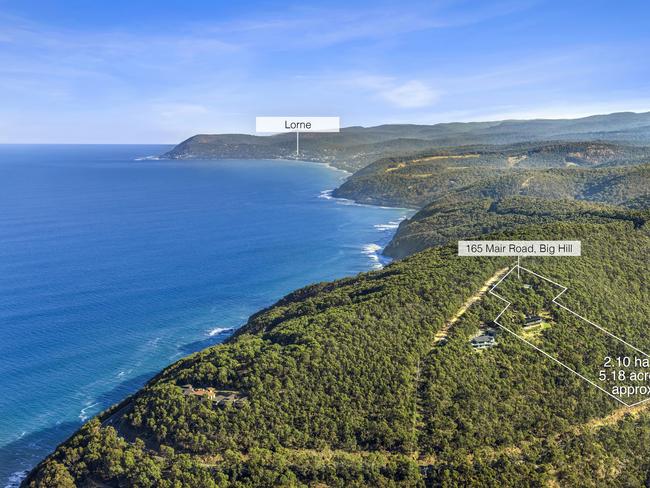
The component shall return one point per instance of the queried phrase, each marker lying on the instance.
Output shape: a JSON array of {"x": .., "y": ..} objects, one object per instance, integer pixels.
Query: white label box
[
  {"x": 274, "y": 125},
  {"x": 519, "y": 248}
]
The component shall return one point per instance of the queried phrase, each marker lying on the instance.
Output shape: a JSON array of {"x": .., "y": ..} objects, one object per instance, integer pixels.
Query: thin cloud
[
  {"x": 302, "y": 28},
  {"x": 412, "y": 94}
]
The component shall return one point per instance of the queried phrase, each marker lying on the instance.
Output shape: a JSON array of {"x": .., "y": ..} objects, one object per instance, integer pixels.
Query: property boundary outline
[{"x": 519, "y": 268}]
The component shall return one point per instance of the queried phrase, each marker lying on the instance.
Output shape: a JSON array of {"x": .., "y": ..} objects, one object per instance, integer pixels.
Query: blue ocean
[{"x": 113, "y": 266}]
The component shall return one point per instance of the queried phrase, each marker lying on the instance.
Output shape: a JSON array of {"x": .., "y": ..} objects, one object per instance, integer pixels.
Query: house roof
[
  {"x": 483, "y": 339},
  {"x": 533, "y": 319}
]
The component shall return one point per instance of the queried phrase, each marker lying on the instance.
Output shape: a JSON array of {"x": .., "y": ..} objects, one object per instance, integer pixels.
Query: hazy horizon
[{"x": 173, "y": 143}]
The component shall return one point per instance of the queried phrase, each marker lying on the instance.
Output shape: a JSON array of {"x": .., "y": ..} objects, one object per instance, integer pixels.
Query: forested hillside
[
  {"x": 465, "y": 192},
  {"x": 372, "y": 381},
  {"x": 459, "y": 216},
  {"x": 583, "y": 171}
]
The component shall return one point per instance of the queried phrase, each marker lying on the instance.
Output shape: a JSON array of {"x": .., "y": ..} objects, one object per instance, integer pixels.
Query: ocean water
[{"x": 112, "y": 268}]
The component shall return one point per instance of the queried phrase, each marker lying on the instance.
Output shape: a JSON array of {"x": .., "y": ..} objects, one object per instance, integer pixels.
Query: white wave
[
  {"x": 392, "y": 225},
  {"x": 148, "y": 158},
  {"x": 327, "y": 195},
  {"x": 372, "y": 251},
  {"x": 388, "y": 226},
  {"x": 340, "y": 170},
  {"x": 82, "y": 414},
  {"x": 320, "y": 163},
  {"x": 346, "y": 201},
  {"x": 123, "y": 373},
  {"x": 14, "y": 479},
  {"x": 217, "y": 331}
]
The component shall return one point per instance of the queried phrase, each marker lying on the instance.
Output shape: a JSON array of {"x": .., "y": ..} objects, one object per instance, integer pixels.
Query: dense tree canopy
[
  {"x": 373, "y": 380},
  {"x": 344, "y": 384}
]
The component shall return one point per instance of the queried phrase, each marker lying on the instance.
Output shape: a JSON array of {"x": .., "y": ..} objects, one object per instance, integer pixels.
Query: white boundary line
[{"x": 564, "y": 289}]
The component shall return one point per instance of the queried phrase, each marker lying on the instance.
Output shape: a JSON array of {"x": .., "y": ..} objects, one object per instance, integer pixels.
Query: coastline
[
  {"x": 378, "y": 257},
  {"x": 375, "y": 251},
  {"x": 369, "y": 249},
  {"x": 217, "y": 334},
  {"x": 328, "y": 164}
]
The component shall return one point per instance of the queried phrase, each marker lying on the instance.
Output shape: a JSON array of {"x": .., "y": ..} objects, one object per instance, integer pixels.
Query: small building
[
  {"x": 209, "y": 393},
  {"x": 483, "y": 341},
  {"x": 220, "y": 397},
  {"x": 532, "y": 320}
]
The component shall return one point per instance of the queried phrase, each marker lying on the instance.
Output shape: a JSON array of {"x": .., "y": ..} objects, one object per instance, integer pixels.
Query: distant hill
[
  {"x": 461, "y": 197},
  {"x": 355, "y": 147},
  {"x": 461, "y": 216},
  {"x": 528, "y": 168},
  {"x": 451, "y": 170}
]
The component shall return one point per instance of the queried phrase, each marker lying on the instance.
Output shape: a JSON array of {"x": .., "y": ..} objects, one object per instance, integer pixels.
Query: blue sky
[{"x": 160, "y": 71}]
